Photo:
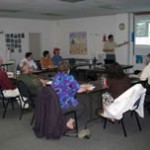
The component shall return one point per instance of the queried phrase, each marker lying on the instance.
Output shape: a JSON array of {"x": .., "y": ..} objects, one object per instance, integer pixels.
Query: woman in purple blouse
[{"x": 66, "y": 87}]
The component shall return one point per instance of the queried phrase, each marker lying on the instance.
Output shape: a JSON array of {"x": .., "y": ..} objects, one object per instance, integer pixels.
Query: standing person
[
  {"x": 46, "y": 61},
  {"x": 109, "y": 48},
  {"x": 56, "y": 57},
  {"x": 29, "y": 59},
  {"x": 117, "y": 83}
]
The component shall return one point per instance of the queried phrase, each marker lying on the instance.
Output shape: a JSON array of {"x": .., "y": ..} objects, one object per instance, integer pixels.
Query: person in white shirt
[
  {"x": 29, "y": 59},
  {"x": 145, "y": 74}
]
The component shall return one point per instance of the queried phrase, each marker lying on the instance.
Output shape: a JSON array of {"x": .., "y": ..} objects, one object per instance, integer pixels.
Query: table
[
  {"x": 96, "y": 71},
  {"x": 46, "y": 70},
  {"x": 6, "y": 64},
  {"x": 93, "y": 99}
]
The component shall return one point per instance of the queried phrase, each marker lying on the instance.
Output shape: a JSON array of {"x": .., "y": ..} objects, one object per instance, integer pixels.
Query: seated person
[
  {"x": 145, "y": 74},
  {"x": 117, "y": 83},
  {"x": 9, "y": 89},
  {"x": 29, "y": 59},
  {"x": 56, "y": 57},
  {"x": 32, "y": 81},
  {"x": 46, "y": 61},
  {"x": 66, "y": 87}
]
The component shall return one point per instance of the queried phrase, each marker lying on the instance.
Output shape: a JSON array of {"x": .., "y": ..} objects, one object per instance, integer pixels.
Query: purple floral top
[{"x": 66, "y": 87}]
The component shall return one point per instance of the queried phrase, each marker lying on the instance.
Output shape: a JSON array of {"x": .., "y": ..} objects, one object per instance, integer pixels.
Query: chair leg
[
  {"x": 22, "y": 111},
  {"x": 76, "y": 121},
  {"x": 3, "y": 102},
  {"x": 12, "y": 104},
  {"x": 32, "y": 120},
  {"x": 6, "y": 106},
  {"x": 138, "y": 122},
  {"x": 123, "y": 127},
  {"x": 105, "y": 123},
  {"x": 76, "y": 124},
  {"x": 21, "y": 114}
]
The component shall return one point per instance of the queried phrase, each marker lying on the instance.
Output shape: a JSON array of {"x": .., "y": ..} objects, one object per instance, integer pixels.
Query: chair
[
  {"x": 25, "y": 94},
  {"x": 38, "y": 64},
  {"x": 131, "y": 100},
  {"x": 49, "y": 118},
  {"x": 66, "y": 114},
  {"x": 7, "y": 100},
  {"x": 74, "y": 114}
]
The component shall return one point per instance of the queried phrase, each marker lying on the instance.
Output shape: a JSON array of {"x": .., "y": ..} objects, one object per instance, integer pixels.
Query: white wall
[
  {"x": 26, "y": 26},
  {"x": 56, "y": 33},
  {"x": 95, "y": 27}
]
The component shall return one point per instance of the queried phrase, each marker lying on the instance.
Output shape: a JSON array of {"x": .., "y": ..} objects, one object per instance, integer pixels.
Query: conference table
[
  {"x": 92, "y": 99},
  {"x": 6, "y": 64},
  {"x": 83, "y": 73},
  {"x": 45, "y": 70}
]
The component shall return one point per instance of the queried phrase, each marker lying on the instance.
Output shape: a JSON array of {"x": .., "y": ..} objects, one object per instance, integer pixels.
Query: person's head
[
  {"x": 24, "y": 67},
  {"x": 46, "y": 54},
  {"x": 56, "y": 51},
  {"x": 1, "y": 60},
  {"x": 148, "y": 59},
  {"x": 115, "y": 71},
  {"x": 29, "y": 56},
  {"x": 64, "y": 67},
  {"x": 110, "y": 37}
]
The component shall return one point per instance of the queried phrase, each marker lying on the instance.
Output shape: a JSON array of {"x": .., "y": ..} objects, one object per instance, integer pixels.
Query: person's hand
[
  {"x": 82, "y": 89},
  {"x": 126, "y": 42},
  {"x": 43, "y": 82}
]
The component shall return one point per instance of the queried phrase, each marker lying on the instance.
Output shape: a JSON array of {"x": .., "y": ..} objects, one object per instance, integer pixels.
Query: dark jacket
[
  {"x": 118, "y": 86},
  {"x": 49, "y": 121}
]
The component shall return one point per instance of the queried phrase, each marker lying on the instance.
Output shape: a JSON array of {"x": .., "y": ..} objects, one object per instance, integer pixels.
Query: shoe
[{"x": 85, "y": 133}]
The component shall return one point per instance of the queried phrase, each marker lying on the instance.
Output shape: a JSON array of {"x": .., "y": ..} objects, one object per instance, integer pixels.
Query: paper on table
[
  {"x": 89, "y": 87},
  {"x": 49, "y": 83}
]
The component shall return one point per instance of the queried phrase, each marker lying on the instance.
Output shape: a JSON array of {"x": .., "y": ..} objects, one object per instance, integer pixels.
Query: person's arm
[
  {"x": 108, "y": 50},
  {"x": 124, "y": 43}
]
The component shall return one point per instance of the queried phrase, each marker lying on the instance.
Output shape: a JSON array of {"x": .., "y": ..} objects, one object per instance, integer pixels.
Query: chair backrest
[
  {"x": 132, "y": 99},
  {"x": 24, "y": 90},
  {"x": 38, "y": 64}
]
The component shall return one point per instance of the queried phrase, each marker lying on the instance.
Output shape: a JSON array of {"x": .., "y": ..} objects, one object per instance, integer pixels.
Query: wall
[
  {"x": 26, "y": 26},
  {"x": 56, "y": 33},
  {"x": 95, "y": 27}
]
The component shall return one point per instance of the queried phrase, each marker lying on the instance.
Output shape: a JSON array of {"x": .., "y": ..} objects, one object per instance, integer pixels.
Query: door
[{"x": 35, "y": 45}]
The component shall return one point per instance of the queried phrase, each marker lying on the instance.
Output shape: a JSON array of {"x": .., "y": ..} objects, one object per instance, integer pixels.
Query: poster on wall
[
  {"x": 140, "y": 59},
  {"x": 78, "y": 43}
]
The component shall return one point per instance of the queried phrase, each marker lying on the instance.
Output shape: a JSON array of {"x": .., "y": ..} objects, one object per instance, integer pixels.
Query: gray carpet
[{"x": 18, "y": 135}]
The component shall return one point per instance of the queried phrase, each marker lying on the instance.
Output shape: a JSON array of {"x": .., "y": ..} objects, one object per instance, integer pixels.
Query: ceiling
[{"x": 67, "y": 9}]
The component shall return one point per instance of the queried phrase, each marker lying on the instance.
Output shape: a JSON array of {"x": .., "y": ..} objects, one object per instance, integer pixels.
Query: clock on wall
[{"x": 121, "y": 26}]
